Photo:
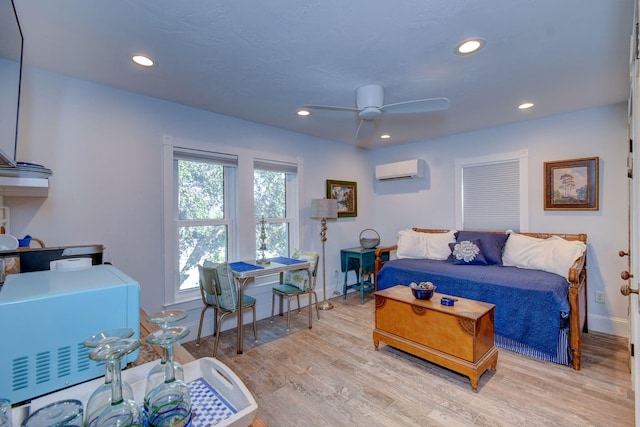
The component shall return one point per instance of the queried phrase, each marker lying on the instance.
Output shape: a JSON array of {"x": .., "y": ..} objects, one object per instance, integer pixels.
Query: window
[
  {"x": 203, "y": 183},
  {"x": 212, "y": 211},
  {"x": 491, "y": 192},
  {"x": 273, "y": 190}
]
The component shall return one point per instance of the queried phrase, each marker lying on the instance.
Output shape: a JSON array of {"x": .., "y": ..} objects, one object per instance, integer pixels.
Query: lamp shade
[{"x": 324, "y": 208}]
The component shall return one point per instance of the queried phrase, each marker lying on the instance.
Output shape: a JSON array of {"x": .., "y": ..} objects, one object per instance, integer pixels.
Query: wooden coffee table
[{"x": 458, "y": 337}]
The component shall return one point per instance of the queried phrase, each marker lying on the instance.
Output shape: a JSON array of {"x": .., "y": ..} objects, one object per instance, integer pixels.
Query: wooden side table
[{"x": 362, "y": 262}]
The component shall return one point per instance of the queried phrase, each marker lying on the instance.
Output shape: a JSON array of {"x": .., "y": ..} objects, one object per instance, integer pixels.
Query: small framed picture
[
  {"x": 346, "y": 192},
  {"x": 571, "y": 184}
]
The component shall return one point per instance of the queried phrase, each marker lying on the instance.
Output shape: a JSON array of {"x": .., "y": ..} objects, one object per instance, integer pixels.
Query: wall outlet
[{"x": 600, "y": 297}]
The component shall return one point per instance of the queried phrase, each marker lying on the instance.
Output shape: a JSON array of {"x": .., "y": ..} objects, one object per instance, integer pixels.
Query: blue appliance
[{"x": 46, "y": 315}]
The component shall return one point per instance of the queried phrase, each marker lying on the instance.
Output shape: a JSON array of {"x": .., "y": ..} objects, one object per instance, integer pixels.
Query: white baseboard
[{"x": 609, "y": 325}]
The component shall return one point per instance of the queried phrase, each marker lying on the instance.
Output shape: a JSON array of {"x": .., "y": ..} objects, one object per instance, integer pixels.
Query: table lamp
[{"x": 324, "y": 209}]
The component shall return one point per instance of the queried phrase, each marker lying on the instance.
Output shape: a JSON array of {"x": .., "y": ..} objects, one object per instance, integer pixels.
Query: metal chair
[
  {"x": 296, "y": 283},
  {"x": 219, "y": 291}
]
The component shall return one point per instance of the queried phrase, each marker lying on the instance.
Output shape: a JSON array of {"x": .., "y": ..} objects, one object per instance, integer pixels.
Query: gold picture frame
[
  {"x": 346, "y": 192},
  {"x": 571, "y": 184}
]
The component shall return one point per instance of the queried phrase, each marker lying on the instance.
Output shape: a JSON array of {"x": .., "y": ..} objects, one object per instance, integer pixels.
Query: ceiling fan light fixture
[
  {"x": 304, "y": 113},
  {"x": 526, "y": 106},
  {"x": 370, "y": 113},
  {"x": 143, "y": 60},
  {"x": 469, "y": 46}
]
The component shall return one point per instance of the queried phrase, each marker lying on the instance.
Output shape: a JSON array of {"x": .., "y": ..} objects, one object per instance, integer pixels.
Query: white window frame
[
  {"x": 172, "y": 293},
  {"x": 241, "y": 240},
  {"x": 291, "y": 195},
  {"x": 292, "y": 189},
  {"x": 521, "y": 156}
]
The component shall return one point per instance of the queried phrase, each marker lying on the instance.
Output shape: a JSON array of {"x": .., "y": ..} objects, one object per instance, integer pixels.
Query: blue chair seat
[
  {"x": 219, "y": 291},
  {"x": 296, "y": 283},
  {"x": 288, "y": 289},
  {"x": 247, "y": 302}
]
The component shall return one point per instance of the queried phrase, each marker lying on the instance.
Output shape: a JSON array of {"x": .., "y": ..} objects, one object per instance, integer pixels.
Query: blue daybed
[{"x": 538, "y": 313}]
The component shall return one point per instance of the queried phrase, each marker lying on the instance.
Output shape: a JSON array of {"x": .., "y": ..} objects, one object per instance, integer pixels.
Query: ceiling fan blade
[
  {"x": 417, "y": 106},
  {"x": 365, "y": 129},
  {"x": 329, "y": 107}
]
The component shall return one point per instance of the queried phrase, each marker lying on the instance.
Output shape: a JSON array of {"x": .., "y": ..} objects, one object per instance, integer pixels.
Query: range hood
[{"x": 11, "y": 186}]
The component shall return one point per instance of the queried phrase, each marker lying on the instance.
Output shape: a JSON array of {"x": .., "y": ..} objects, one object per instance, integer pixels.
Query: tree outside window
[
  {"x": 270, "y": 203},
  {"x": 202, "y": 226}
]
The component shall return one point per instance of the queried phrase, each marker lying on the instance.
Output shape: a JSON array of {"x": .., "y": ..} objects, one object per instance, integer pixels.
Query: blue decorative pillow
[
  {"x": 467, "y": 252},
  {"x": 491, "y": 244}
]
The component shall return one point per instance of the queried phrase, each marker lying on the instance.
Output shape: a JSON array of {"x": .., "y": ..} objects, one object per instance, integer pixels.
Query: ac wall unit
[{"x": 408, "y": 169}]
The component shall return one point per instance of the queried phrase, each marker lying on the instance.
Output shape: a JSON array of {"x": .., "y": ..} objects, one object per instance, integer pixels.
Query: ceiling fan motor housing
[
  {"x": 369, "y": 99},
  {"x": 369, "y": 96}
]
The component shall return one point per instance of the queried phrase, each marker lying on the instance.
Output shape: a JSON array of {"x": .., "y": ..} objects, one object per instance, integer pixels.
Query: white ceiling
[{"x": 261, "y": 60}]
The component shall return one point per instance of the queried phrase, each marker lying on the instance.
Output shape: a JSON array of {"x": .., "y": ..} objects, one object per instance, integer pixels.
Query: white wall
[
  {"x": 104, "y": 147},
  {"x": 600, "y": 132}
]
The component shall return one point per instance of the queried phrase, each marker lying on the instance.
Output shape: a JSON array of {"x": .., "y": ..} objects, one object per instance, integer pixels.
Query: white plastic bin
[{"x": 218, "y": 396}]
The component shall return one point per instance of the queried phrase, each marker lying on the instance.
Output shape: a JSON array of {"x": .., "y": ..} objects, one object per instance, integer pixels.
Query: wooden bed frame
[{"x": 577, "y": 285}]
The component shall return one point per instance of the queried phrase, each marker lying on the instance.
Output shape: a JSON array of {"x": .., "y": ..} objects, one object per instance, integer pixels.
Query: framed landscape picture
[
  {"x": 346, "y": 192},
  {"x": 571, "y": 184}
]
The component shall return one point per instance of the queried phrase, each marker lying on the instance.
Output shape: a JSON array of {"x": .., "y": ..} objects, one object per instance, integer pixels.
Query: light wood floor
[{"x": 332, "y": 376}]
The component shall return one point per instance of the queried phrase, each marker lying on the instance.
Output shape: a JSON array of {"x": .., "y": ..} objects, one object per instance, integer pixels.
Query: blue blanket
[{"x": 528, "y": 302}]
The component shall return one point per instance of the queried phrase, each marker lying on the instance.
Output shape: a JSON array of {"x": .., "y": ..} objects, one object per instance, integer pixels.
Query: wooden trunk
[{"x": 458, "y": 337}]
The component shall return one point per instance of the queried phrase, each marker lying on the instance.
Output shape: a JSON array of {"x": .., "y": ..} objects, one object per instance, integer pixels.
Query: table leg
[
  {"x": 346, "y": 278},
  {"x": 310, "y": 300},
  {"x": 361, "y": 278},
  {"x": 242, "y": 283}
]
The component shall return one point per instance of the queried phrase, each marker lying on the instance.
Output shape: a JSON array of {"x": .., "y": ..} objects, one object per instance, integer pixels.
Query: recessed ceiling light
[
  {"x": 385, "y": 136},
  {"x": 142, "y": 60},
  {"x": 469, "y": 46},
  {"x": 525, "y": 105},
  {"x": 304, "y": 113}
]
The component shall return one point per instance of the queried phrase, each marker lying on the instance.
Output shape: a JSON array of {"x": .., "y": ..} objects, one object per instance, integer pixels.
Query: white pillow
[
  {"x": 438, "y": 244},
  {"x": 414, "y": 244},
  {"x": 410, "y": 245},
  {"x": 554, "y": 255}
]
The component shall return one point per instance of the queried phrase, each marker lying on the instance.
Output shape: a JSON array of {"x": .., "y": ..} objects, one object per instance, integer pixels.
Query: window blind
[
  {"x": 180, "y": 153},
  {"x": 275, "y": 166},
  {"x": 491, "y": 196}
]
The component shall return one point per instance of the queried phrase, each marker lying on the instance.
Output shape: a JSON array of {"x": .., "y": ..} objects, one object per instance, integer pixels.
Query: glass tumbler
[
  {"x": 121, "y": 412},
  {"x": 168, "y": 404},
  {"x": 57, "y": 414},
  {"x": 156, "y": 374},
  {"x": 101, "y": 397},
  {"x": 6, "y": 417}
]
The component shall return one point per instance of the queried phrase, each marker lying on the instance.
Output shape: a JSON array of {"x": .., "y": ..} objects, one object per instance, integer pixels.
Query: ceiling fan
[{"x": 370, "y": 106}]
